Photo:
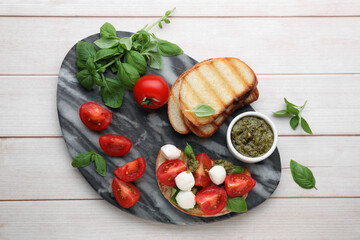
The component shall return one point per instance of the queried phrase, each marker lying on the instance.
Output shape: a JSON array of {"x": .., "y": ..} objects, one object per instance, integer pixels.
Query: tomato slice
[
  {"x": 94, "y": 116},
  {"x": 115, "y": 145},
  {"x": 201, "y": 174},
  {"x": 132, "y": 170},
  {"x": 238, "y": 184},
  {"x": 211, "y": 200},
  {"x": 126, "y": 194},
  {"x": 168, "y": 170}
]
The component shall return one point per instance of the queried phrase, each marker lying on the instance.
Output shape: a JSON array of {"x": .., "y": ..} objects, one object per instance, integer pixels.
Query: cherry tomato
[
  {"x": 168, "y": 170},
  {"x": 94, "y": 116},
  {"x": 211, "y": 200},
  {"x": 238, "y": 184},
  {"x": 201, "y": 174},
  {"x": 115, "y": 145},
  {"x": 151, "y": 91},
  {"x": 132, "y": 170},
  {"x": 126, "y": 194}
]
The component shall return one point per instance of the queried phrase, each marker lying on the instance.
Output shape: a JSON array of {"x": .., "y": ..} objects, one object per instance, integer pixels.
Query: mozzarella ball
[
  {"x": 170, "y": 152},
  {"x": 185, "y": 199},
  {"x": 217, "y": 174},
  {"x": 185, "y": 181}
]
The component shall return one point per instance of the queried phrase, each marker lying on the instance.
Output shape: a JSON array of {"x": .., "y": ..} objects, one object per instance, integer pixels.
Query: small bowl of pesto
[{"x": 251, "y": 137}]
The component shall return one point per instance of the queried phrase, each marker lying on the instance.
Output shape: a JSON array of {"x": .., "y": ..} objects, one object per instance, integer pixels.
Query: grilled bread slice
[
  {"x": 216, "y": 82},
  {"x": 166, "y": 190}
]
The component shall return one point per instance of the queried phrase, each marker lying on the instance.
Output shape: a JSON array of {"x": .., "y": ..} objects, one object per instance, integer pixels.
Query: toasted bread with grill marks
[
  {"x": 166, "y": 190},
  {"x": 216, "y": 82}
]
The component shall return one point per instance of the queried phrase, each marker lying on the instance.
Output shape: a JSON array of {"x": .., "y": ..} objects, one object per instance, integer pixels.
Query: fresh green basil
[
  {"x": 154, "y": 59},
  {"x": 166, "y": 48},
  {"x": 174, "y": 193},
  {"x": 237, "y": 204},
  {"x": 137, "y": 60},
  {"x": 128, "y": 75},
  {"x": 82, "y": 160},
  {"x": 302, "y": 175},
  {"x": 112, "y": 93},
  {"x": 86, "y": 79},
  {"x": 281, "y": 113},
  {"x": 107, "y": 31},
  {"x": 105, "y": 53},
  {"x": 294, "y": 121},
  {"x": 81, "y": 64},
  {"x": 126, "y": 43},
  {"x": 90, "y": 66},
  {"x": 292, "y": 110},
  {"x": 305, "y": 126},
  {"x": 202, "y": 110},
  {"x": 107, "y": 42},
  {"x": 237, "y": 169},
  {"x": 100, "y": 164},
  {"x": 84, "y": 50}
]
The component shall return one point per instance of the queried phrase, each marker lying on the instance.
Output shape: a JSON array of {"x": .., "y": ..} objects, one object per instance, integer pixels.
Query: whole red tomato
[
  {"x": 151, "y": 91},
  {"x": 94, "y": 116}
]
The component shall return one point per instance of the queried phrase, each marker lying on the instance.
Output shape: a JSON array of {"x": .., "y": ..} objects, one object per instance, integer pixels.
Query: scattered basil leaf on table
[
  {"x": 237, "y": 204},
  {"x": 202, "y": 110},
  {"x": 127, "y": 56},
  {"x": 84, "y": 159},
  {"x": 302, "y": 175},
  {"x": 294, "y": 112}
]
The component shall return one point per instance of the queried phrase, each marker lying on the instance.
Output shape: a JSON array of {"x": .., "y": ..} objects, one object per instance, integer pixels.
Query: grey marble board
[{"x": 148, "y": 130}]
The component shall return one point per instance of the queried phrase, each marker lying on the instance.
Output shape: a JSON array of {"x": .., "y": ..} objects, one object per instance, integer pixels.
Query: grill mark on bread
[{"x": 223, "y": 80}]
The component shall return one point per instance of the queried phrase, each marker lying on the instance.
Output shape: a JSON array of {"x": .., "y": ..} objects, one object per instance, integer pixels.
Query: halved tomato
[
  {"x": 238, "y": 184},
  {"x": 132, "y": 170},
  {"x": 115, "y": 145},
  {"x": 168, "y": 170},
  {"x": 94, "y": 116},
  {"x": 126, "y": 194},
  {"x": 201, "y": 174},
  {"x": 211, "y": 200}
]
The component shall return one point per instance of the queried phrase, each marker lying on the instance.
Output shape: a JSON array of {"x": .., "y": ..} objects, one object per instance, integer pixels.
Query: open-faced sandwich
[{"x": 200, "y": 186}]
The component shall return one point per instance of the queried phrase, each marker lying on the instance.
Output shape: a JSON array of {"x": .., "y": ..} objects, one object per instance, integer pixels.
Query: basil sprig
[
  {"x": 237, "y": 204},
  {"x": 202, "y": 110},
  {"x": 84, "y": 159},
  {"x": 302, "y": 175},
  {"x": 129, "y": 57},
  {"x": 294, "y": 111}
]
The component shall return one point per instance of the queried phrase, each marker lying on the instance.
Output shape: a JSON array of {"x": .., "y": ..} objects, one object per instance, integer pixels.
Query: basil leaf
[
  {"x": 112, "y": 93},
  {"x": 203, "y": 110},
  {"x": 127, "y": 75},
  {"x": 237, "y": 204},
  {"x": 136, "y": 60},
  {"x": 90, "y": 66},
  {"x": 305, "y": 126},
  {"x": 166, "y": 48},
  {"x": 281, "y": 113},
  {"x": 86, "y": 79},
  {"x": 113, "y": 68},
  {"x": 105, "y": 53},
  {"x": 302, "y": 175},
  {"x": 84, "y": 50},
  {"x": 81, "y": 64},
  {"x": 82, "y": 160},
  {"x": 107, "y": 31},
  {"x": 126, "y": 43},
  {"x": 237, "y": 169},
  {"x": 149, "y": 46},
  {"x": 289, "y": 103},
  {"x": 154, "y": 59},
  {"x": 292, "y": 110},
  {"x": 100, "y": 164},
  {"x": 294, "y": 121},
  {"x": 174, "y": 193},
  {"x": 107, "y": 42}
]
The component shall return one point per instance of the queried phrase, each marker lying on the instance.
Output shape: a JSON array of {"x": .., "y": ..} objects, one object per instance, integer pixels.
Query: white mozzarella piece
[
  {"x": 185, "y": 181},
  {"x": 185, "y": 199},
  {"x": 217, "y": 174},
  {"x": 170, "y": 152}
]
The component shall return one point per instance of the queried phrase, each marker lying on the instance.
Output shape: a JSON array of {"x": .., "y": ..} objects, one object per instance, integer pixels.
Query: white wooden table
[{"x": 299, "y": 49}]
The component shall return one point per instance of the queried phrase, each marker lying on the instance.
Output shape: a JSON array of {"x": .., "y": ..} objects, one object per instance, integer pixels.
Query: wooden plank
[
  {"x": 268, "y": 45},
  {"x": 184, "y": 8},
  {"x": 274, "y": 219},
  {"x": 34, "y": 99},
  {"x": 40, "y": 168}
]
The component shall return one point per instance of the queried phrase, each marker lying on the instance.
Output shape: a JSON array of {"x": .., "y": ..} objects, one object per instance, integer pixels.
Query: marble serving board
[{"x": 148, "y": 130}]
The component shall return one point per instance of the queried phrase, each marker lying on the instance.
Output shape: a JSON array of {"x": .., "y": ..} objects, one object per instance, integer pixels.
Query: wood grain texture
[
  {"x": 330, "y": 108},
  {"x": 40, "y": 168},
  {"x": 274, "y": 219},
  {"x": 268, "y": 45},
  {"x": 184, "y": 8}
]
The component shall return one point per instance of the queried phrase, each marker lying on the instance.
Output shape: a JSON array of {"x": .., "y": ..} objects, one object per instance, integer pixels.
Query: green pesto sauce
[
  {"x": 192, "y": 164},
  {"x": 226, "y": 164},
  {"x": 252, "y": 136}
]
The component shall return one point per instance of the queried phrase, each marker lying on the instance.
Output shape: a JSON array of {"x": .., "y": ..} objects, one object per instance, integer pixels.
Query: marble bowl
[{"x": 240, "y": 156}]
